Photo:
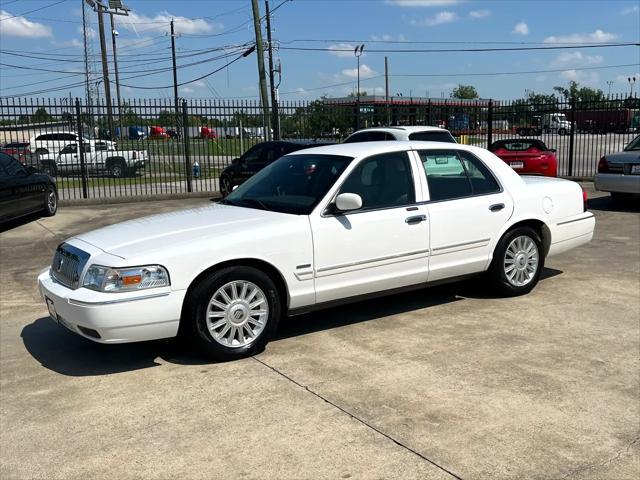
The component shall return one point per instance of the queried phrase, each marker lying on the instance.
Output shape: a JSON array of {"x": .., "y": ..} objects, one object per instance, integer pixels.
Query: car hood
[
  {"x": 623, "y": 157},
  {"x": 147, "y": 234}
]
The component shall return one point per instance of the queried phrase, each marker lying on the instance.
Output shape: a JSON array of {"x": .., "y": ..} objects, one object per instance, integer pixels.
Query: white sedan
[{"x": 315, "y": 228}]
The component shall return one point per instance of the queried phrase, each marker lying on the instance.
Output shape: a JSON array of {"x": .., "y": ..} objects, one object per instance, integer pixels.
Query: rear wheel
[
  {"x": 562, "y": 131},
  {"x": 620, "y": 197},
  {"x": 225, "y": 185},
  {"x": 517, "y": 262},
  {"x": 51, "y": 202},
  {"x": 118, "y": 169},
  {"x": 232, "y": 313},
  {"x": 49, "y": 168}
]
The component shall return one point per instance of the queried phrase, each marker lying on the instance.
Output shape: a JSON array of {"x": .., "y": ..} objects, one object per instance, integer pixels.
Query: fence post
[
  {"x": 572, "y": 107},
  {"x": 83, "y": 165},
  {"x": 185, "y": 141},
  {"x": 490, "y": 124},
  {"x": 429, "y": 119}
]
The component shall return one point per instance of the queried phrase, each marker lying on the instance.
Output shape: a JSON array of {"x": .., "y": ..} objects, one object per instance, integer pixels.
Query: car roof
[
  {"x": 404, "y": 128},
  {"x": 364, "y": 149}
]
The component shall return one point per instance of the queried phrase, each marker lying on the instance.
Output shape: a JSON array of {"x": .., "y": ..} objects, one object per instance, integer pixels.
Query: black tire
[
  {"x": 497, "y": 273},
  {"x": 620, "y": 197},
  {"x": 50, "y": 202},
  {"x": 226, "y": 186},
  {"x": 118, "y": 169},
  {"x": 522, "y": 132},
  {"x": 562, "y": 131},
  {"x": 195, "y": 314}
]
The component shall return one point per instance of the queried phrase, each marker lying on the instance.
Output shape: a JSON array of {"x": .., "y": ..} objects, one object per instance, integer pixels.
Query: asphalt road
[{"x": 448, "y": 382}]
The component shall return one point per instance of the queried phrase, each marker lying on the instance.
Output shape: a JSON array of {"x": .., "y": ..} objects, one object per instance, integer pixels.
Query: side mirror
[{"x": 346, "y": 202}]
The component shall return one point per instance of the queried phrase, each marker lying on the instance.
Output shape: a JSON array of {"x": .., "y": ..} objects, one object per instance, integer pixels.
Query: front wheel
[
  {"x": 562, "y": 131},
  {"x": 118, "y": 169},
  {"x": 225, "y": 185},
  {"x": 51, "y": 202},
  {"x": 517, "y": 262},
  {"x": 232, "y": 313}
]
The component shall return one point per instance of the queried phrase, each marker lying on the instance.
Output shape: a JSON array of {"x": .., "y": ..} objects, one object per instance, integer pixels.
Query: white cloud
[
  {"x": 198, "y": 84},
  {"x": 365, "y": 71},
  {"x": 336, "y": 49},
  {"x": 301, "y": 91},
  {"x": 541, "y": 78},
  {"x": 422, "y": 3},
  {"x": 91, "y": 33},
  {"x": 161, "y": 22},
  {"x": 624, "y": 78},
  {"x": 479, "y": 14},
  {"x": 385, "y": 37},
  {"x": 438, "y": 19},
  {"x": 585, "y": 78},
  {"x": 629, "y": 10},
  {"x": 598, "y": 36},
  {"x": 21, "y": 27},
  {"x": 186, "y": 90},
  {"x": 520, "y": 28},
  {"x": 576, "y": 59}
]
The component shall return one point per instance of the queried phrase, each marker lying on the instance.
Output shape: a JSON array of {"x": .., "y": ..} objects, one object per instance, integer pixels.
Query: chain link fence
[{"x": 153, "y": 147}]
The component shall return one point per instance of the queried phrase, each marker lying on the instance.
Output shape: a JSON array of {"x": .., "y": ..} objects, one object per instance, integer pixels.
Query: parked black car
[
  {"x": 256, "y": 158},
  {"x": 24, "y": 190}
]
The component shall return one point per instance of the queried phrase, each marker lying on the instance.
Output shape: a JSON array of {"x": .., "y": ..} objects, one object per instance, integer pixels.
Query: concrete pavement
[{"x": 448, "y": 382}]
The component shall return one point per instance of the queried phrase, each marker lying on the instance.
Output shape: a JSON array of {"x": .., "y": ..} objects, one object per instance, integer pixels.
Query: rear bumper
[
  {"x": 571, "y": 233},
  {"x": 617, "y": 182},
  {"x": 114, "y": 317}
]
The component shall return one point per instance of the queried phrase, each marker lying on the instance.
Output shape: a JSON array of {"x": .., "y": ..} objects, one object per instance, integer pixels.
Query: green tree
[
  {"x": 41, "y": 116},
  {"x": 580, "y": 94},
  {"x": 464, "y": 92}
]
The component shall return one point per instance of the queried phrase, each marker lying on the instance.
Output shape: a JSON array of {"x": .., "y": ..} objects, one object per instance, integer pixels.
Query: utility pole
[
  {"x": 86, "y": 54},
  {"x": 274, "y": 97},
  {"x": 175, "y": 70},
  {"x": 114, "y": 34},
  {"x": 105, "y": 71},
  {"x": 261, "y": 73},
  {"x": 386, "y": 89},
  {"x": 357, "y": 52}
]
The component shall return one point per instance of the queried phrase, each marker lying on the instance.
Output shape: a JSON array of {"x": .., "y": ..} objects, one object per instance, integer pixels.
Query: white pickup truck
[{"x": 118, "y": 163}]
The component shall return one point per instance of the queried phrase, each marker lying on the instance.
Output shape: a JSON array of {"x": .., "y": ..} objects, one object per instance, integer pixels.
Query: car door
[
  {"x": 6, "y": 192},
  {"x": 26, "y": 194},
  {"x": 383, "y": 245},
  {"x": 467, "y": 209},
  {"x": 250, "y": 162}
]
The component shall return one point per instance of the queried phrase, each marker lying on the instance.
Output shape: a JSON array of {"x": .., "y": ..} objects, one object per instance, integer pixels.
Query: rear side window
[
  {"x": 433, "y": 137},
  {"x": 11, "y": 165},
  {"x": 456, "y": 174},
  {"x": 369, "y": 137},
  {"x": 67, "y": 137}
]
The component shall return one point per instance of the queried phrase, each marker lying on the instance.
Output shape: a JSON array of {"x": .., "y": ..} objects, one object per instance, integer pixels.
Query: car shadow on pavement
[
  {"x": 18, "y": 222},
  {"x": 67, "y": 353},
  {"x": 608, "y": 204}
]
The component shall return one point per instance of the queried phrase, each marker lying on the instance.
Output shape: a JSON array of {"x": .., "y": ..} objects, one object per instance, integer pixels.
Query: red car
[
  {"x": 527, "y": 156},
  {"x": 18, "y": 150}
]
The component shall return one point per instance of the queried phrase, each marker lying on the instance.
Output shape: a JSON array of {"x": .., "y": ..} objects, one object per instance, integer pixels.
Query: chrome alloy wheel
[
  {"x": 52, "y": 201},
  {"x": 237, "y": 313},
  {"x": 521, "y": 261},
  {"x": 225, "y": 185}
]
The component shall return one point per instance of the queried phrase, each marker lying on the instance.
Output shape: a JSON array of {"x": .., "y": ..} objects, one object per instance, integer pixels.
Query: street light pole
[
  {"x": 357, "y": 52},
  {"x": 114, "y": 34},
  {"x": 609, "y": 83},
  {"x": 631, "y": 81}
]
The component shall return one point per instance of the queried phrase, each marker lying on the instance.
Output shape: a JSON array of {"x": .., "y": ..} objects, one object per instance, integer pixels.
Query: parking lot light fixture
[{"x": 358, "y": 52}]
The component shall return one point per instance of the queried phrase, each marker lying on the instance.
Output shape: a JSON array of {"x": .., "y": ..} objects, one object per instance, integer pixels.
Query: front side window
[
  {"x": 11, "y": 166},
  {"x": 292, "y": 184},
  {"x": 456, "y": 174},
  {"x": 71, "y": 148},
  {"x": 634, "y": 145},
  {"x": 382, "y": 181},
  {"x": 253, "y": 154}
]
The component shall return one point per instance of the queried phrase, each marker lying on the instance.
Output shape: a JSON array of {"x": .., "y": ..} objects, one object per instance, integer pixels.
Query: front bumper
[
  {"x": 114, "y": 317},
  {"x": 617, "y": 182}
]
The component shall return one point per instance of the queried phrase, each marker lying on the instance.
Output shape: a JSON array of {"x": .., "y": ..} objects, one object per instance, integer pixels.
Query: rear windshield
[
  {"x": 517, "y": 145},
  {"x": 432, "y": 137}
]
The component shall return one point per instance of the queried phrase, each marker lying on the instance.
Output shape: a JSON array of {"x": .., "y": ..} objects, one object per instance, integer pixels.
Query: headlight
[{"x": 106, "y": 279}]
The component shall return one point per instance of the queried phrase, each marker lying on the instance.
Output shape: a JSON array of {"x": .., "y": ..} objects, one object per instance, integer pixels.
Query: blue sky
[{"x": 53, "y": 34}]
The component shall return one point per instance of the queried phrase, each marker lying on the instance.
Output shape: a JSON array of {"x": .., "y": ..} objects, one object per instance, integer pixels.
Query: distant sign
[{"x": 367, "y": 109}]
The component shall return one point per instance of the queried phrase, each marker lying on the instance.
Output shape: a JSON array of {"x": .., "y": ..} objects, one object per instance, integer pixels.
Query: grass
[{"x": 197, "y": 146}]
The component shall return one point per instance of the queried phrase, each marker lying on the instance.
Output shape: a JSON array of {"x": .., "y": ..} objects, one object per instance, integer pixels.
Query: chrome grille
[{"x": 68, "y": 263}]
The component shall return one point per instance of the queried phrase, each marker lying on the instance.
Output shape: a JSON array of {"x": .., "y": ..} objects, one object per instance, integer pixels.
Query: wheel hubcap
[
  {"x": 521, "y": 261},
  {"x": 237, "y": 313},
  {"x": 225, "y": 185},
  {"x": 51, "y": 201}
]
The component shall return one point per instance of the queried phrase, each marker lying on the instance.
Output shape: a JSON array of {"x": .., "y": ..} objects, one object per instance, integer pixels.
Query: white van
[{"x": 53, "y": 142}]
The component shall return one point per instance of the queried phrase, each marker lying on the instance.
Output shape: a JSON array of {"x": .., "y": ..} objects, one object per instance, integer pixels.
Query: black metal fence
[{"x": 163, "y": 148}]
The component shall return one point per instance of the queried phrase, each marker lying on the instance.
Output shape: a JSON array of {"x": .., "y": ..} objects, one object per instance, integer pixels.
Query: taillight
[
  {"x": 603, "y": 165},
  {"x": 584, "y": 199}
]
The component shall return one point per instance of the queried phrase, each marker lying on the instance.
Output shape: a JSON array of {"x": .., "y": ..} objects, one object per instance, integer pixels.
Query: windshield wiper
[{"x": 260, "y": 203}]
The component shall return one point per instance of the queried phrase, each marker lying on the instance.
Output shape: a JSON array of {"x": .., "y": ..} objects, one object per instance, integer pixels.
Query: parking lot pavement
[{"x": 441, "y": 383}]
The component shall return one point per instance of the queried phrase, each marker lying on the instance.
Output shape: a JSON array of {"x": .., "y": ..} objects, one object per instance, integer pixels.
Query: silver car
[{"x": 619, "y": 173}]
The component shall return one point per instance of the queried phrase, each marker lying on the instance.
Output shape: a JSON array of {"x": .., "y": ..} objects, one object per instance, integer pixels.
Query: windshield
[{"x": 292, "y": 184}]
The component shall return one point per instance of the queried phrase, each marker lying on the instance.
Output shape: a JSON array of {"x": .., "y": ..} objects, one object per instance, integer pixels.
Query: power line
[
  {"x": 429, "y": 42},
  {"x": 451, "y": 50},
  {"x": 525, "y": 72},
  {"x": 32, "y": 11}
]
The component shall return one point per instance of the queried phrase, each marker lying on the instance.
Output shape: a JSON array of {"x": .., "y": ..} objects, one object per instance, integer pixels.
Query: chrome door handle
[
  {"x": 496, "y": 207},
  {"x": 415, "y": 219}
]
